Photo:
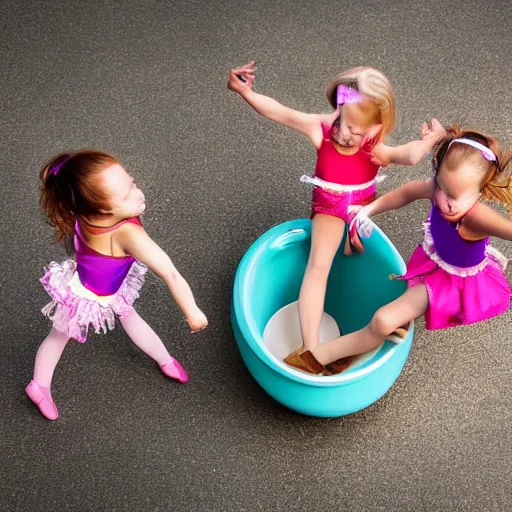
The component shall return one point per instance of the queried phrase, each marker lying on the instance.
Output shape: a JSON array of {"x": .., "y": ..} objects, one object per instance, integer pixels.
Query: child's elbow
[
  {"x": 170, "y": 277},
  {"x": 415, "y": 159}
]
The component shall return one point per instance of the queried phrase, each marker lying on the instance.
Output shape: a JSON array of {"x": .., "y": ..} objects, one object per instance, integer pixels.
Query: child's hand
[
  {"x": 241, "y": 79},
  {"x": 362, "y": 223},
  {"x": 434, "y": 131},
  {"x": 360, "y": 226},
  {"x": 380, "y": 155},
  {"x": 197, "y": 321}
]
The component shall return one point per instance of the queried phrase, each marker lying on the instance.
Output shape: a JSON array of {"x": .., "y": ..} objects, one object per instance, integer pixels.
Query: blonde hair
[
  {"x": 373, "y": 84},
  {"x": 496, "y": 184}
]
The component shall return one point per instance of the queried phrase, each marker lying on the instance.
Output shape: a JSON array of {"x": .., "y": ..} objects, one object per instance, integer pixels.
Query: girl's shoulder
[
  {"x": 128, "y": 234},
  {"x": 326, "y": 122},
  {"x": 100, "y": 230},
  {"x": 131, "y": 225},
  {"x": 105, "y": 239},
  {"x": 131, "y": 221},
  {"x": 477, "y": 212},
  {"x": 472, "y": 226},
  {"x": 328, "y": 118},
  {"x": 366, "y": 148},
  {"x": 428, "y": 187},
  {"x": 326, "y": 130}
]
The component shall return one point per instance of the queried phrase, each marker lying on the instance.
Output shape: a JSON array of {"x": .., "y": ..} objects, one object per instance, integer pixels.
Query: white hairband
[{"x": 486, "y": 152}]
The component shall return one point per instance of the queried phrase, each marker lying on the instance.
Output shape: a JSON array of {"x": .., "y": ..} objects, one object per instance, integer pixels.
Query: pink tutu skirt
[
  {"x": 459, "y": 296},
  {"x": 73, "y": 307}
]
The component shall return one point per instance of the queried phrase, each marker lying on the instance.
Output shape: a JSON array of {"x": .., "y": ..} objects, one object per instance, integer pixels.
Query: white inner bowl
[{"x": 282, "y": 334}]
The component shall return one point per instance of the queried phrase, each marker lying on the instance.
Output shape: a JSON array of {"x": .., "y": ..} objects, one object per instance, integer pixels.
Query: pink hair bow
[{"x": 347, "y": 95}]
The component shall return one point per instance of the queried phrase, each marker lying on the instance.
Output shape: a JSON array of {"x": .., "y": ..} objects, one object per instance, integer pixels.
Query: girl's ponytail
[{"x": 70, "y": 188}]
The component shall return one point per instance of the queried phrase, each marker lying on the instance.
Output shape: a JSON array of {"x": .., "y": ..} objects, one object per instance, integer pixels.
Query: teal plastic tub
[{"x": 269, "y": 277}]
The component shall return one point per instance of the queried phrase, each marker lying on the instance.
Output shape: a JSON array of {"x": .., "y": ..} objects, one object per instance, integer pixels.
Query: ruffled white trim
[
  {"x": 497, "y": 256},
  {"x": 491, "y": 254},
  {"x": 336, "y": 187},
  {"x": 79, "y": 289}
]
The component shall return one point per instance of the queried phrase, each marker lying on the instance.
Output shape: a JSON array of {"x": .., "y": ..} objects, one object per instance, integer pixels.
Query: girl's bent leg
[{"x": 411, "y": 305}]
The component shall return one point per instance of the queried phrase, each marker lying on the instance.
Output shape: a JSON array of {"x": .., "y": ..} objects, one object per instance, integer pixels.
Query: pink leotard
[
  {"x": 343, "y": 183},
  {"x": 334, "y": 167}
]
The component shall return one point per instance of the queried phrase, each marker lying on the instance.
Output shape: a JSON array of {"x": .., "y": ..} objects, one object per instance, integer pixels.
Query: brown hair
[
  {"x": 69, "y": 189},
  {"x": 496, "y": 184},
  {"x": 373, "y": 84}
]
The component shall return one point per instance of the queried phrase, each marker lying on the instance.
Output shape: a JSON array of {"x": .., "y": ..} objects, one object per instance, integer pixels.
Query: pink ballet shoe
[
  {"x": 174, "y": 370},
  {"x": 43, "y": 399}
]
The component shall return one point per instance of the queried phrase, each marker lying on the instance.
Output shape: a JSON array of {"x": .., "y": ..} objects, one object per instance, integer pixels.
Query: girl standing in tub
[{"x": 350, "y": 150}]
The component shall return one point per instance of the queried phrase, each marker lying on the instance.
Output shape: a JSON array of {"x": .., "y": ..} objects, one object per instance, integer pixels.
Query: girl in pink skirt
[
  {"x": 89, "y": 197},
  {"x": 454, "y": 277},
  {"x": 350, "y": 151}
]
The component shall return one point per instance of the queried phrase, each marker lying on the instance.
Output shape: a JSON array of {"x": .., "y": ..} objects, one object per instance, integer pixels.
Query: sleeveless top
[
  {"x": 100, "y": 273},
  {"x": 334, "y": 167},
  {"x": 450, "y": 246}
]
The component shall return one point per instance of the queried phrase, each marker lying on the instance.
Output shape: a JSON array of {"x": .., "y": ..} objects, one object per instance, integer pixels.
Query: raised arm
[
  {"x": 134, "y": 240},
  {"x": 413, "y": 152},
  {"x": 241, "y": 81}
]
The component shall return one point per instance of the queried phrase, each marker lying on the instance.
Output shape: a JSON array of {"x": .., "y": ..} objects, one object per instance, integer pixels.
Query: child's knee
[
  {"x": 382, "y": 324},
  {"x": 126, "y": 315}
]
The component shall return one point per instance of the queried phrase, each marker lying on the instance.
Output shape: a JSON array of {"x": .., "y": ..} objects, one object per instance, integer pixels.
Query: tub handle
[{"x": 292, "y": 236}]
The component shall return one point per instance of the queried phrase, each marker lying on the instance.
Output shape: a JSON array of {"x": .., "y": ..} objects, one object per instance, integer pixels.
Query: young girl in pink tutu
[
  {"x": 90, "y": 197},
  {"x": 454, "y": 277},
  {"x": 350, "y": 151}
]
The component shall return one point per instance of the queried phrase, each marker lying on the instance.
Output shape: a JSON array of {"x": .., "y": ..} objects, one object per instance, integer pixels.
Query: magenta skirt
[{"x": 459, "y": 296}]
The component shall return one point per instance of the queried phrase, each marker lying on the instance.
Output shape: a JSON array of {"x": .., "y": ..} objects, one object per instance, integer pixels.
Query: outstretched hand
[
  {"x": 197, "y": 321},
  {"x": 242, "y": 79},
  {"x": 435, "y": 130}
]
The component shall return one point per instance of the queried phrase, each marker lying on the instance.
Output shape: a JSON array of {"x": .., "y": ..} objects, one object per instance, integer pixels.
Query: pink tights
[{"x": 138, "y": 330}]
